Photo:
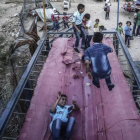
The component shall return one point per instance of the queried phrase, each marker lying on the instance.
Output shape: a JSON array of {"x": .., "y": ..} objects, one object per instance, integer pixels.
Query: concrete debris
[{"x": 12, "y": 26}]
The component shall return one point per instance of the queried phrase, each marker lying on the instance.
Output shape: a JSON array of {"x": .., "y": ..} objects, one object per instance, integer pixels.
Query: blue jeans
[
  {"x": 138, "y": 30},
  {"x": 62, "y": 129},
  {"x": 88, "y": 40},
  {"x": 56, "y": 25},
  {"x": 77, "y": 34},
  {"x": 134, "y": 28}
]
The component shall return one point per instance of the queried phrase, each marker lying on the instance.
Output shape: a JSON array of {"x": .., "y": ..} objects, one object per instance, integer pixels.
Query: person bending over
[
  {"x": 61, "y": 124},
  {"x": 97, "y": 55}
]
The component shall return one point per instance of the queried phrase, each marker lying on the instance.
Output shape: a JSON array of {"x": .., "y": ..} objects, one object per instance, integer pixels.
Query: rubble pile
[{"x": 12, "y": 26}]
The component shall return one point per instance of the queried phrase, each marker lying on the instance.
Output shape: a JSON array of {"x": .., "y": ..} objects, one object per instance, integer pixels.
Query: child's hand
[
  {"x": 59, "y": 95},
  {"x": 79, "y": 31},
  {"x": 74, "y": 102},
  {"x": 89, "y": 75}
]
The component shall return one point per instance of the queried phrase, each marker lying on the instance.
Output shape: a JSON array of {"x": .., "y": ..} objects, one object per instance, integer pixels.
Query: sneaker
[
  {"x": 110, "y": 87},
  {"x": 128, "y": 46},
  {"x": 95, "y": 84},
  {"x": 138, "y": 36},
  {"x": 76, "y": 50}
]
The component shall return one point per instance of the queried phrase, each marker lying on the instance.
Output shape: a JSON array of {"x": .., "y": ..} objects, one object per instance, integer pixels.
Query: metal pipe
[{"x": 118, "y": 14}]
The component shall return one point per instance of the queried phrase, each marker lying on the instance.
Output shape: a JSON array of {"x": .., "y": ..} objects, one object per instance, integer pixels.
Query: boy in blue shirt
[
  {"x": 127, "y": 30},
  {"x": 62, "y": 125},
  {"x": 78, "y": 27},
  {"x": 97, "y": 55}
]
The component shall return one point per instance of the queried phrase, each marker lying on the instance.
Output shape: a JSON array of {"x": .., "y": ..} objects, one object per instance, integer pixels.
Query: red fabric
[
  {"x": 54, "y": 19},
  {"x": 103, "y": 114},
  {"x": 65, "y": 18}
]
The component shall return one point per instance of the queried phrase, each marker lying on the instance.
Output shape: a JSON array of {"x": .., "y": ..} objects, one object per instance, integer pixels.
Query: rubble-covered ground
[{"x": 10, "y": 27}]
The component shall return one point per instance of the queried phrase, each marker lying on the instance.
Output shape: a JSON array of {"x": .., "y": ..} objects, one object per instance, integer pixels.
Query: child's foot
[
  {"x": 110, "y": 87},
  {"x": 95, "y": 84},
  {"x": 76, "y": 50}
]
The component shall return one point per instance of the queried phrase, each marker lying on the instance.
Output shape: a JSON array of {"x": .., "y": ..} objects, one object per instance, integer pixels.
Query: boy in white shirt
[
  {"x": 61, "y": 124},
  {"x": 89, "y": 30}
]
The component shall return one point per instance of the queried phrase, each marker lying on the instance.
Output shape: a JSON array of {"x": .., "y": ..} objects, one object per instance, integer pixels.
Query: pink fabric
[{"x": 103, "y": 114}]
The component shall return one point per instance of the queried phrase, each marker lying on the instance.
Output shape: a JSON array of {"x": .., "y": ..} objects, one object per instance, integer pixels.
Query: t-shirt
[
  {"x": 96, "y": 25},
  {"x": 61, "y": 113},
  {"x": 127, "y": 30},
  {"x": 97, "y": 54},
  {"x": 65, "y": 18},
  {"x": 77, "y": 18},
  {"x": 90, "y": 30},
  {"x": 120, "y": 29}
]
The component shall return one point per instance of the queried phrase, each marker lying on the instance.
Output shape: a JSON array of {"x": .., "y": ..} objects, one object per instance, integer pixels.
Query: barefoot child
[
  {"x": 88, "y": 29},
  {"x": 127, "y": 30},
  {"x": 78, "y": 27},
  {"x": 101, "y": 68},
  {"x": 62, "y": 124}
]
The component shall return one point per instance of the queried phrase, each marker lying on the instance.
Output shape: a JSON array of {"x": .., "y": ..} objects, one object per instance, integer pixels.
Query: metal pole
[
  {"x": 45, "y": 26},
  {"x": 118, "y": 14}
]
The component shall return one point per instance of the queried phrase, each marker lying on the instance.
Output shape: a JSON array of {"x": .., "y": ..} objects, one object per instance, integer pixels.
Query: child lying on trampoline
[
  {"x": 62, "y": 124},
  {"x": 97, "y": 55}
]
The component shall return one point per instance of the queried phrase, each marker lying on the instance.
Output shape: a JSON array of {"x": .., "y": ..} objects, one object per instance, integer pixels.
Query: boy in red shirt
[{"x": 65, "y": 20}]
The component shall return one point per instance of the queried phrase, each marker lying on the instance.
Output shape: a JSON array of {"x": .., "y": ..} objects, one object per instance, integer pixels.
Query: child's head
[
  {"x": 120, "y": 24},
  {"x": 128, "y": 23},
  {"x": 97, "y": 21},
  {"x": 81, "y": 8},
  {"x": 63, "y": 100},
  {"x": 54, "y": 10},
  {"x": 98, "y": 37},
  {"x": 87, "y": 17}
]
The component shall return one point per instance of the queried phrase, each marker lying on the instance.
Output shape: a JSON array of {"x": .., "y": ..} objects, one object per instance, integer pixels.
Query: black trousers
[
  {"x": 107, "y": 15},
  {"x": 127, "y": 38},
  {"x": 97, "y": 82},
  {"x": 62, "y": 129}
]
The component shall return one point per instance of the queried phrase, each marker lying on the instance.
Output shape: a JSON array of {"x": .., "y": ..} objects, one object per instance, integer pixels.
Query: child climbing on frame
[
  {"x": 97, "y": 55},
  {"x": 61, "y": 124},
  {"x": 78, "y": 27}
]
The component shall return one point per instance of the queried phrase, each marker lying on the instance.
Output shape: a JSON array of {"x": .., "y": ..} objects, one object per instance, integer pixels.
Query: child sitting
[
  {"x": 120, "y": 29},
  {"x": 65, "y": 20},
  {"x": 88, "y": 29},
  {"x": 78, "y": 27},
  {"x": 101, "y": 68},
  {"x": 127, "y": 30},
  {"x": 62, "y": 124},
  {"x": 97, "y": 25}
]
